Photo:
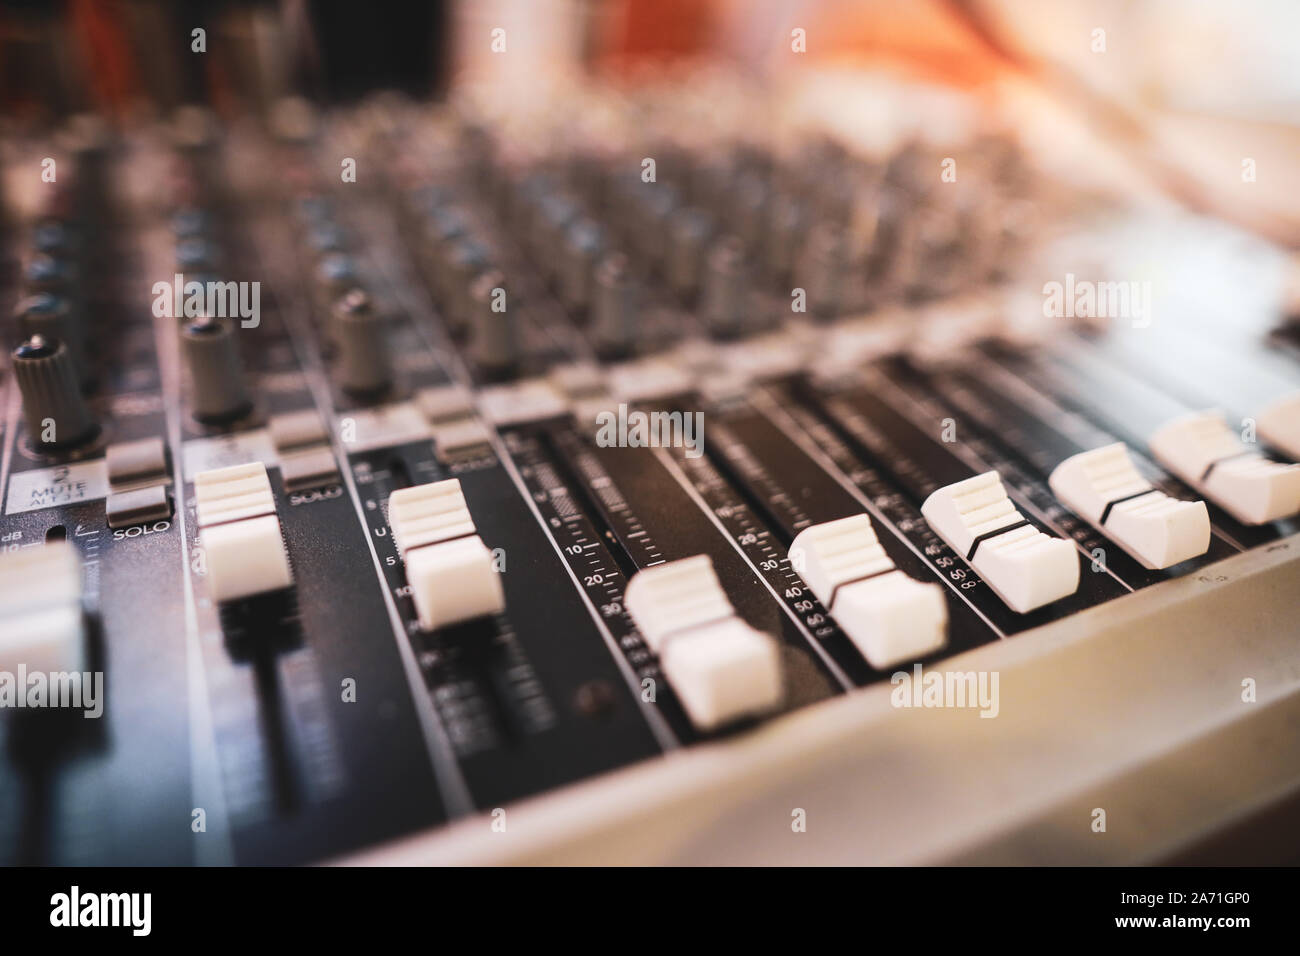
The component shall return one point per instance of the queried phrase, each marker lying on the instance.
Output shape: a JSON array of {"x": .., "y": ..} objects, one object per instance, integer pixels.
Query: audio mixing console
[{"x": 541, "y": 477}]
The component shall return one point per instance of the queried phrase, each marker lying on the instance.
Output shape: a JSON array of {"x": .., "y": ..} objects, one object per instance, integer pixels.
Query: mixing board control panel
[{"x": 365, "y": 504}]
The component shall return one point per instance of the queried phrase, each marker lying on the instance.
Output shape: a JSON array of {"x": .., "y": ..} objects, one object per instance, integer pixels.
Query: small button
[
  {"x": 309, "y": 468},
  {"x": 440, "y": 403},
  {"x": 127, "y": 508},
  {"x": 297, "y": 429},
  {"x": 454, "y": 441},
  {"x": 134, "y": 461}
]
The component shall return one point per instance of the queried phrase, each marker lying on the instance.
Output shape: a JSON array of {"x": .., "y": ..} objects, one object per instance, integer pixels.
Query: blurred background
[{"x": 1183, "y": 92}]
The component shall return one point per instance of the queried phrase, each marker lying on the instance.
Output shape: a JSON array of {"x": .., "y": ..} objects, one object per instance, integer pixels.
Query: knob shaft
[
  {"x": 218, "y": 392},
  {"x": 364, "y": 366},
  {"x": 584, "y": 241},
  {"x": 55, "y": 412},
  {"x": 494, "y": 325},
  {"x": 614, "y": 307},
  {"x": 726, "y": 289},
  {"x": 823, "y": 267},
  {"x": 689, "y": 231}
]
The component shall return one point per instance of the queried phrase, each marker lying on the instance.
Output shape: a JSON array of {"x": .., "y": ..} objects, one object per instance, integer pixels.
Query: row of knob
[
  {"x": 712, "y": 227},
  {"x": 58, "y": 416},
  {"x": 356, "y": 329},
  {"x": 477, "y": 301},
  {"x": 51, "y": 377},
  {"x": 52, "y": 364}
]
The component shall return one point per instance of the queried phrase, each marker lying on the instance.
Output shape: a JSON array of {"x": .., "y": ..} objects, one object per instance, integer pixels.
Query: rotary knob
[
  {"x": 218, "y": 392},
  {"x": 614, "y": 307},
  {"x": 726, "y": 289},
  {"x": 689, "y": 231},
  {"x": 465, "y": 260},
  {"x": 823, "y": 267},
  {"x": 55, "y": 412},
  {"x": 784, "y": 232},
  {"x": 364, "y": 367},
  {"x": 584, "y": 241},
  {"x": 50, "y": 317},
  {"x": 494, "y": 325},
  {"x": 443, "y": 228}
]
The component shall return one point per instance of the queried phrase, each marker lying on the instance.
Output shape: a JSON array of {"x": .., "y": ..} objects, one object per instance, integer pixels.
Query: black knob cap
[
  {"x": 325, "y": 237},
  {"x": 190, "y": 222},
  {"x": 55, "y": 412},
  {"x": 45, "y": 273},
  {"x": 218, "y": 392},
  {"x": 53, "y": 237},
  {"x": 196, "y": 254}
]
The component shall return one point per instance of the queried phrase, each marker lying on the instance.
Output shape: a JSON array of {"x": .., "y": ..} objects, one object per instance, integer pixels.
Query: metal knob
[
  {"x": 50, "y": 317},
  {"x": 494, "y": 325},
  {"x": 614, "y": 326},
  {"x": 689, "y": 232},
  {"x": 218, "y": 392},
  {"x": 364, "y": 366},
  {"x": 55, "y": 412},
  {"x": 584, "y": 241},
  {"x": 726, "y": 288}
]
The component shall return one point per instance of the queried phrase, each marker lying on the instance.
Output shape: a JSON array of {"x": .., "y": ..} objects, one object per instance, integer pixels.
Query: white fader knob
[
  {"x": 240, "y": 532},
  {"x": 1204, "y": 452},
  {"x": 40, "y": 610},
  {"x": 720, "y": 667},
  {"x": 1104, "y": 488},
  {"x": 889, "y": 616},
  {"x": 1279, "y": 424},
  {"x": 448, "y": 566},
  {"x": 1026, "y": 567}
]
